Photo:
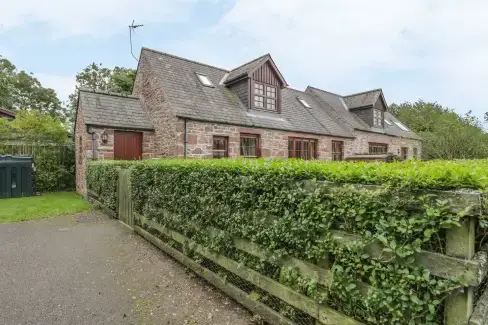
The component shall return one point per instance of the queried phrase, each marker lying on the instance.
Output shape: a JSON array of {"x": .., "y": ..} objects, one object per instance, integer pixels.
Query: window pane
[
  {"x": 249, "y": 146},
  {"x": 258, "y": 101},
  {"x": 298, "y": 149},
  {"x": 290, "y": 149},
  {"x": 270, "y": 91},
  {"x": 378, "y": 148},
  {"x": 302, "y": 149},
  {"x": 220, "y": 147},
  {"x": 259, "y": 89},
  {"x": 204, "y": 80},
  {"x": 337, "y": 153},
  {"x": 270, "y": 103}
]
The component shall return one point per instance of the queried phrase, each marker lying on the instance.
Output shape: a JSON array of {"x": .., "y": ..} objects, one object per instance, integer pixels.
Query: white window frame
[
  {"x": 304, "y": 102},
  {"x": 204, "y": 80},
  {"x": 401, "y": 126},
  {"x": 377, "y": 119},
  {"x": 273, "y": 101}
]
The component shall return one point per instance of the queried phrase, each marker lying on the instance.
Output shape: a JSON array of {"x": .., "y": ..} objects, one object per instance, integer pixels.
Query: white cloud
[
  {"x": 63, "y": 85},
  {"x": 338, "y": 42},
  {"x": 92, "y": 17}
]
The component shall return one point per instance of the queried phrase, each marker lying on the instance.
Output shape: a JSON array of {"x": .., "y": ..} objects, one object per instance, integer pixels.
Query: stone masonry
[
  {"x": 361, "y": 143},
  {"x": 162, "y": 116},
  {"x": 274, "y": 143},
  {"x": 84, "y": 147}
]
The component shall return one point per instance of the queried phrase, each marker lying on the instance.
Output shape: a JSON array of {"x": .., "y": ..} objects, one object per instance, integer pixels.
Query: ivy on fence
[{"x": 286, "y": 208}]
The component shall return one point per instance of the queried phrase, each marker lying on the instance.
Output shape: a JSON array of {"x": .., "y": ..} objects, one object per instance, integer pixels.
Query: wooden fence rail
[{"x": 460, "y": 262}]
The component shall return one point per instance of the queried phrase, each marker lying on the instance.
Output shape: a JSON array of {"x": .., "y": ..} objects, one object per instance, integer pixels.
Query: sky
[{"x": 435, "y": 50}]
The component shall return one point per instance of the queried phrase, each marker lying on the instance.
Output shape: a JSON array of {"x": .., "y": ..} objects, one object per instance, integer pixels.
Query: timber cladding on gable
[{"x": 266, "y": 74}]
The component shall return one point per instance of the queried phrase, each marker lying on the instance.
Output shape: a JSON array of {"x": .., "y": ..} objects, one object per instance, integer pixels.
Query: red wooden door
[{"x": 127, "y": 145}]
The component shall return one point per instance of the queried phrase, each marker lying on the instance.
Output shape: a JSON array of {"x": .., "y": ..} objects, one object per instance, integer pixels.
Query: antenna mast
[{"x": 132, "y": 29}]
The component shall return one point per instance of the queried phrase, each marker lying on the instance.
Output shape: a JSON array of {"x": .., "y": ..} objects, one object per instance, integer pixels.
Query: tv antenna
[{"x": 132, "y": 29}]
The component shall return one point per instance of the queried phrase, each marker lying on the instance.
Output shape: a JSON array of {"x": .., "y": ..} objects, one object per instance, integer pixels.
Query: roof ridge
[
  {"x": 294, "y": 89},
  {"x": 364, "y": 92},
  {"x": 182, "y": 58},
  {"x": 248, "y": 62},
  {"x": 102, "y": 92},
  {"x": 325, "y": 91}
]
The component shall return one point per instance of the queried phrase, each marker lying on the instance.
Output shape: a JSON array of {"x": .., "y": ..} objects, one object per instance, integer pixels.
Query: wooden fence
[{"x": 461, "y": 261}]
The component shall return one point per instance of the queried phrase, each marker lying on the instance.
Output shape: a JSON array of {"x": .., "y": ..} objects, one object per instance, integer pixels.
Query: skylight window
[
  {"x": 304, "y": 103},
  {"x": 387, "y": 122},
  {"x": 204, "y": 80},
  {"x": 401, "y": 126}
]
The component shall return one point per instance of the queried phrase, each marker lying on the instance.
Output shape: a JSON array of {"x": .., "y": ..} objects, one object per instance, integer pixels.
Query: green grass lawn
[{"x": 37, "y": 207}]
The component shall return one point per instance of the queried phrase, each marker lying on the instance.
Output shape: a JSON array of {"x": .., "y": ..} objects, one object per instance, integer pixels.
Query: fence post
[{"x": 460, "y": 242}]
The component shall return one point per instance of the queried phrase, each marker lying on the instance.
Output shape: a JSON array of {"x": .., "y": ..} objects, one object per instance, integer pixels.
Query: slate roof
[
  {"x": 341, "y": 106},
  {"x": 115, "y": 110},
  {"x": 364, "y": 99},
  {"x": 330, "y": 113},
  {"x": 245, "y": 68},
  {"x": 395, "y": 129},
  {"x": 190, "y": 99}
]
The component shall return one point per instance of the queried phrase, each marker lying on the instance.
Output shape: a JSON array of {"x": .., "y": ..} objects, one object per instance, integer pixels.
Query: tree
[
  {"x": 20, "y": 90},
  {"x": 34, "y": 127},
  {"x": 96, "y": 77},
  {"x": 445, "y": 134}
]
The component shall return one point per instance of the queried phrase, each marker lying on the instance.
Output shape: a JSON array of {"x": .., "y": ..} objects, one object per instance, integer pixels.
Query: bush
[
  {"x": 102, "y": 177},
  {"x": 268, "y": 202},
  {"x": 55, "y": 164}
]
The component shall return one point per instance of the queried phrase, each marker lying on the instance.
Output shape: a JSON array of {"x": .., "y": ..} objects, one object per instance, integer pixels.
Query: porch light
[{"x": 104, "y": 137}]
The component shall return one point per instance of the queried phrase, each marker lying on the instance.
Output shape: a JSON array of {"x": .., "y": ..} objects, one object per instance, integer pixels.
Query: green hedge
[
  {"x": 267, "y": 203},
  {"x": 101, "y": 178}
]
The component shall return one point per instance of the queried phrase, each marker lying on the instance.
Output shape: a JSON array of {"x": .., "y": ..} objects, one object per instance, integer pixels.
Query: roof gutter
[{"x": 121, "y": 127}]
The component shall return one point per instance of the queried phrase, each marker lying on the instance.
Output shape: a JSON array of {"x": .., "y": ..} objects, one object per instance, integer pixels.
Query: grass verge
[{"x": 44, "y": 206}]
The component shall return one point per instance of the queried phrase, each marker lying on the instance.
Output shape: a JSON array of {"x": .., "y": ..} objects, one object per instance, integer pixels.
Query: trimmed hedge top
[{"x": 413, "y": 174}]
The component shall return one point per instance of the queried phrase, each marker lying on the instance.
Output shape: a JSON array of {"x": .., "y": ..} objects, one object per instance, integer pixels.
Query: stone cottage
[{"x": 183, "y": 108}]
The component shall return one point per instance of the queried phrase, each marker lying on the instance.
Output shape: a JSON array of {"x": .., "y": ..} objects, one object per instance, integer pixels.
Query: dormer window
[
  {"x": 204, "y": 80},
  {"x": 377, "y": 118},
  {"x": 265, "y": 96}
]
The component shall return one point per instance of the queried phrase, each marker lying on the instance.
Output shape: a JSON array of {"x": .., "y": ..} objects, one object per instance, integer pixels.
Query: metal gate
[
  {"x": 123, "y": 195},
  {"x": 16, "y": 176}
]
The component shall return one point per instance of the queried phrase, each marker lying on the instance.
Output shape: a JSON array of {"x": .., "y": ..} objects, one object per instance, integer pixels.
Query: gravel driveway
[{"x": 90, "y": 269}]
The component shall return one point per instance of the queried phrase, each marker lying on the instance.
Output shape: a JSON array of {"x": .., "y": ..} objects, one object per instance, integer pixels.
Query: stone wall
[
  {"x": 361, "y": 143},
  {"x": 81, "y": 149},
  {"x": 85, "y": 152},
  {"x": 106, "y": 150},
  {"x": 274, "y": 143},
  {"x": 147, "y": 86}
]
